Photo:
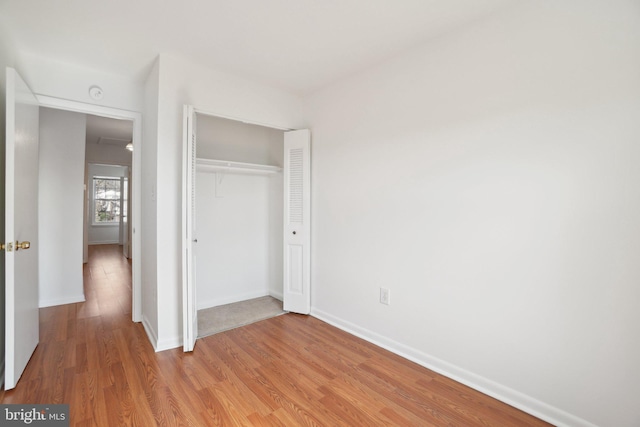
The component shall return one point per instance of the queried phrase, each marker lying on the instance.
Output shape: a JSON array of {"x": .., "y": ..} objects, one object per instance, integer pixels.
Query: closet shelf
[{"x": 210, "y": 165}]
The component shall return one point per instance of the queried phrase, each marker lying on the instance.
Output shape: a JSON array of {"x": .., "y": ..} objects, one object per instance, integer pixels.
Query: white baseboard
[
  {"x": 106, "y": 242},
  {"x": 231, "y": 299},
  {"x": 61, "y": 301},
  {"x": 151, "y": 334},
  {"x": 168, "y": 344},
  {"x": 491, "y": 388},
  {"x": 159, "y": 345},
  {"x": 277, "y": 295}
]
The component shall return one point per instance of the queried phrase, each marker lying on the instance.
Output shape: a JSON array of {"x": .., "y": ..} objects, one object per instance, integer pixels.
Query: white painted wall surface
[
  {"x": 489, "y": 180},
  {"x": 149, "y": 208},
  {"x": 70, "y": 81},
  {"x": 62, "y": 141},
  {"x": 234, "y": 238},
  {"x": 102, "y": 234},
  {"x": 239, "y": 142},
  {"x": 182, "y": 82}
]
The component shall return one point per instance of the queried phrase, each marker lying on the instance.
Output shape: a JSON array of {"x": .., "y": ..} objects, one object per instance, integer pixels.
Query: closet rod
[{"x": 212, "y": 165}]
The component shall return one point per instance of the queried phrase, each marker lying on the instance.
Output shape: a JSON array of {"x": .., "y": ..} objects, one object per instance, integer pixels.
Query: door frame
[{"x": 136, "y": 175}]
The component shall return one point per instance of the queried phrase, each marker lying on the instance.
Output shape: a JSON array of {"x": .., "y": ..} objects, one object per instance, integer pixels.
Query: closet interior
[{"x": 238, "y": 221}]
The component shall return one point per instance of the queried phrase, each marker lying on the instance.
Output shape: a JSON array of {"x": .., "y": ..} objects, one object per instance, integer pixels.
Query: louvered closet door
[{"x": 297, "y": 225}]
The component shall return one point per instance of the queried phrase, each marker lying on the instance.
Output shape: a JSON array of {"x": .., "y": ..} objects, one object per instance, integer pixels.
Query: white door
[
  {"x": 190, "y": 313},
  {"x": 297, "y": 224},
  {"x": 21, "y": 227}
]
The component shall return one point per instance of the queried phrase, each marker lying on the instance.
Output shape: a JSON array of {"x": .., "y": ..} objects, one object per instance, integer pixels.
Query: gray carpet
[{"x": 229, "y": 316}]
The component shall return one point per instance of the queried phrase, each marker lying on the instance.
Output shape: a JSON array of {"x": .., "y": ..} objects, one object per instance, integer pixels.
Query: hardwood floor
[{"x": 290, "y": 370}]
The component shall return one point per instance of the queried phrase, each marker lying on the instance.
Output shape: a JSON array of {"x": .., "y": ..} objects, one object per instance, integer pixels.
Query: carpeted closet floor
[{"x": 224, "y": 317}]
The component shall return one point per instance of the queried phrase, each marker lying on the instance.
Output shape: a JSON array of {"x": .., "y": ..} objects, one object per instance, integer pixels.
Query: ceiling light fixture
[{"x": 129, "y": 146}]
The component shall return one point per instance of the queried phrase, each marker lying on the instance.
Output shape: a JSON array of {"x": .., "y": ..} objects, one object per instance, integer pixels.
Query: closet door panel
[
  {"x": 297, "y": 221},
  {"x": 189, "y": 309}
]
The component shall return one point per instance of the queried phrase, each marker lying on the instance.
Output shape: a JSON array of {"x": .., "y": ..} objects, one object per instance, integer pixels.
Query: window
[{"x": 106, "y": 200}]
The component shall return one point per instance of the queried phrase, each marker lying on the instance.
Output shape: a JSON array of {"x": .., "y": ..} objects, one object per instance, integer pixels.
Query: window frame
[{"x": 94, "y": 199}]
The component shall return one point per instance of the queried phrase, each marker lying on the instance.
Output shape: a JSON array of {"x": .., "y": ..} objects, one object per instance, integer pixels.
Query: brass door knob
[{"x": 22, "y": 245}]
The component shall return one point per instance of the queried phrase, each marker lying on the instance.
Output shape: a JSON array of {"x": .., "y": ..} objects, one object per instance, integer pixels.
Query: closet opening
[
  {"x": 239, "y": 224},
  {"x": 246, "y": 223}
]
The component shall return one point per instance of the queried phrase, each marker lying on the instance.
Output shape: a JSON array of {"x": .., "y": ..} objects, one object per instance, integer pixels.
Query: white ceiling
[{"x": 296, "y": 45}]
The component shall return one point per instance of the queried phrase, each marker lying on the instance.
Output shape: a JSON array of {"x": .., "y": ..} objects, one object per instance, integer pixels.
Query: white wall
[
  {"x": 488, "y": 179},
  {"x": 149, "y": 208},
  {"x": 102, "y": 234},
  {"x": 239, "y": 142},
  {"x": 182, "y": 82},
  {"x": 70, "y": 81},
  {"x": 60, "y": 206},
  {"x": 234, "y": 239}
]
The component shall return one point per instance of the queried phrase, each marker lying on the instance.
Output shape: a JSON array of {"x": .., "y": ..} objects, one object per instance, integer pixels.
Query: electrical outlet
[{"x": 385, "y": 297}]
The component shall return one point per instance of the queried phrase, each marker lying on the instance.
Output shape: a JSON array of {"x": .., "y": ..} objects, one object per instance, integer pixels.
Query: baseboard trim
[
  {"x": 169, "y": 344},
  {"x": 277, "y": 295},
  {"x": 491, "y": 388},
  {"x": 159, "y": 345},
  {"x": 231, "y": 299},
  {"x": 61, "y": 301},
  {"x": 151, "y": 334}
]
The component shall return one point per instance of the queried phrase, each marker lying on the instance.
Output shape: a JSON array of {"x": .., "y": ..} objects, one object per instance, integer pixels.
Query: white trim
[
  {"x": 238, "y": 119},
  {"x": 151, "y": 334},
  {"x": 277, "y": 295},
  {"x": 104, "y": 242},
  {"x": 136, "y": 190},
  {"x": 169, "y": 344},
  {"x": 153, "y": 338},
  {"x": 491, "y": 388},
  {"x": 61, "y": 301}
]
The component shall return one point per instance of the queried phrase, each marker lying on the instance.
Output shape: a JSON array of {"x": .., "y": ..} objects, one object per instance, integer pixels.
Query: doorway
[{"x": 134, "y": 182}]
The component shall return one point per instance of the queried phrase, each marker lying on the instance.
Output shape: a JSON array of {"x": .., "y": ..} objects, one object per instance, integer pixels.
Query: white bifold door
[
  {"x": 21, "y": 227},
  {"x": 297, "y": 225},
  {"x": 189, "y": 240},
  {"x": 297, "y": 222}
]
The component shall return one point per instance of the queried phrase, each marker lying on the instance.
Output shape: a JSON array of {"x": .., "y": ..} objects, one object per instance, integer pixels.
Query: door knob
[{"x": 22, "y": 245}]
